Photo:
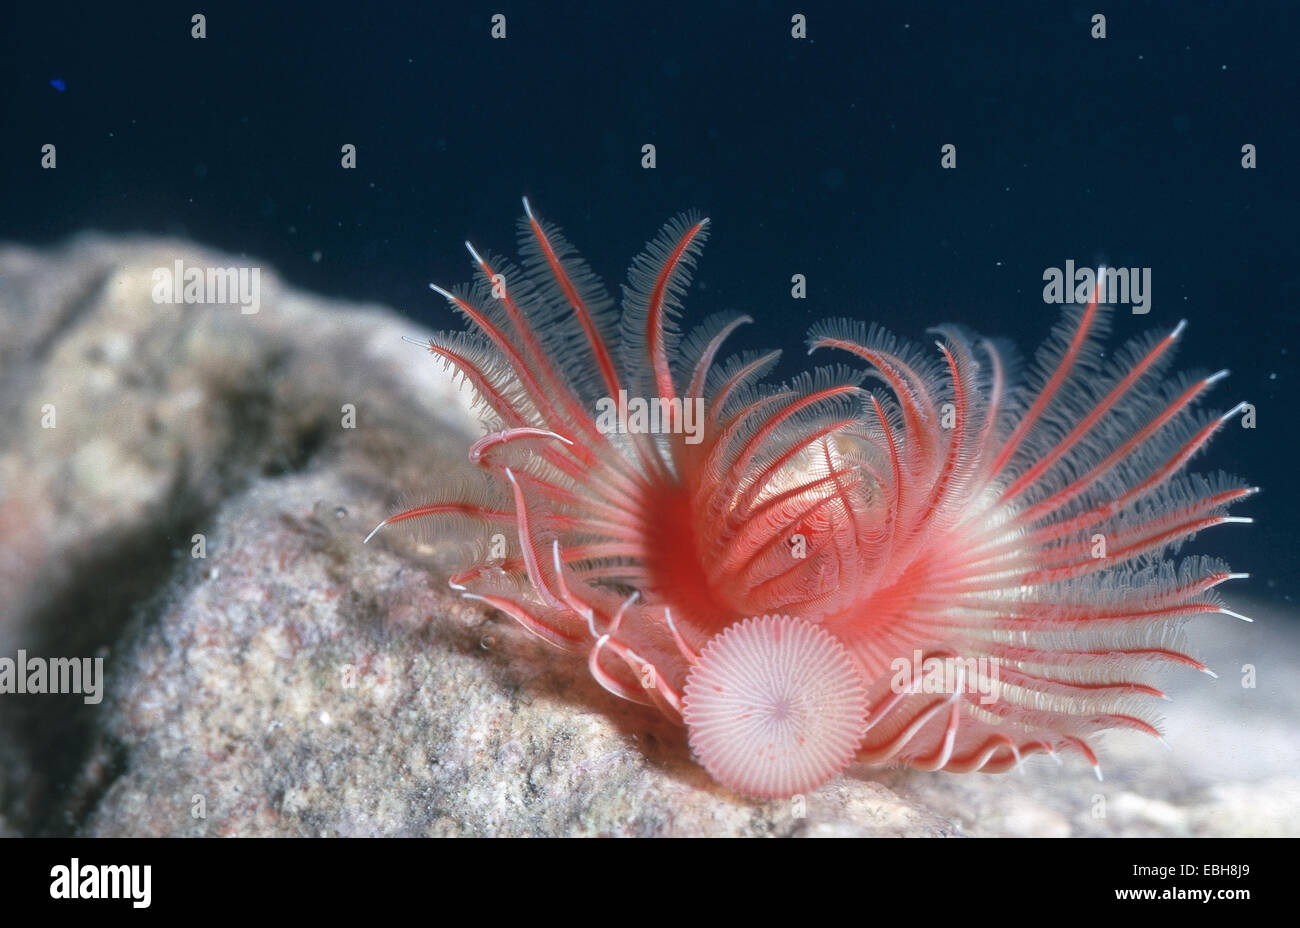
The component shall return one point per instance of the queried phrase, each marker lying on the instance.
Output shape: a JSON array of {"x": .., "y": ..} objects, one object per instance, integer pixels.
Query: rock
[
  {"x": 160, "y": 413},
  {"x": 295, "y": 682}
]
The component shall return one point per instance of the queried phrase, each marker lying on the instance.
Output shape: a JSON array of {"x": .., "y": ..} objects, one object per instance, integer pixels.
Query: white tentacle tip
[
  {"x": 1235, "y": 615},
  {"x": 472, "y": 253},
  {"x": 1233, "y": 411},
  {"x": 375, "y": 531},
  {"x": 528, "y": 210},
  {"x": 1020, "y": 760}
]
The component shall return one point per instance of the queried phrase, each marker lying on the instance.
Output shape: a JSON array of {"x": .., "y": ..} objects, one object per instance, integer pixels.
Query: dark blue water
[{"x": 817, "y": 156}]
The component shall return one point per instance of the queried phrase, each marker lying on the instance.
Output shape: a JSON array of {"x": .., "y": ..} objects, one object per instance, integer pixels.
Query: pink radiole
[{"x": 762, "y": 581}]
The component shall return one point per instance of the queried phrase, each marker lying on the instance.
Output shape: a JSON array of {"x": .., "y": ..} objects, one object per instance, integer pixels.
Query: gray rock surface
[{"x": 294, "y": 682}]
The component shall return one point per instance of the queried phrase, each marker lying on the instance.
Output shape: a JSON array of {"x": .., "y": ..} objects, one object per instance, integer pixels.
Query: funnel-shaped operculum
[{"x": 775, "y": 706}]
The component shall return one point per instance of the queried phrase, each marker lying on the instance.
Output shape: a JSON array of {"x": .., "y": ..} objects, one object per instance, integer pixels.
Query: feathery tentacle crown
[{"x": 793, "y": 569}]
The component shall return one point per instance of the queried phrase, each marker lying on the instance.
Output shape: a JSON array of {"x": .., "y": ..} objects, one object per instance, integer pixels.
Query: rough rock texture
[{"x": 295, "y": 682}]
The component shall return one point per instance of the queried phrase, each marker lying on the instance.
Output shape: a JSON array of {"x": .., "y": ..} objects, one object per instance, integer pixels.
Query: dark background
[{"x": 818, "y": 156}]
